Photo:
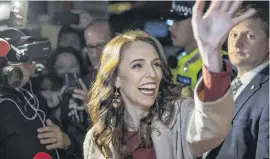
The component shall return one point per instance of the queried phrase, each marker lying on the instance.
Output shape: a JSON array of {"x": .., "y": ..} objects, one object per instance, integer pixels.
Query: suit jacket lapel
[{"x": 251, "y": 88}]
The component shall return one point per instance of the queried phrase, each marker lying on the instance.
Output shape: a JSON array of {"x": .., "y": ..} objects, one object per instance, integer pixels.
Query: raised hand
[{"x": 211, "y": 29}]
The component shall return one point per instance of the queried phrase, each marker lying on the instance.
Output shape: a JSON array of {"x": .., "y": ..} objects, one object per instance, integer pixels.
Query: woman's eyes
[
  {"x": 157, "y": 64},
  {"x": 250, "y": 36},
  {"x": 140, "y": 65},
  {"x": 137, "y": 66},
  {"x": 234, "y": 35}
]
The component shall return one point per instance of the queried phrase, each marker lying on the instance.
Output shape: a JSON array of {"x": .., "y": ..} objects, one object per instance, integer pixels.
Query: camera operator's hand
[
  {"x": 81, "y": 94},
  {"x": 211, "y": 29},
  {"x": 53, "y": 137}
]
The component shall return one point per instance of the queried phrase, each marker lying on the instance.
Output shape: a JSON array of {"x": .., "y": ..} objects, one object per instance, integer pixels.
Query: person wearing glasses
[{"x": 96, "y": 35}]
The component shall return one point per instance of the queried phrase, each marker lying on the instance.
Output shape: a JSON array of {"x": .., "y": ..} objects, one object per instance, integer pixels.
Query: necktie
[{"x": 235, "y": 85}]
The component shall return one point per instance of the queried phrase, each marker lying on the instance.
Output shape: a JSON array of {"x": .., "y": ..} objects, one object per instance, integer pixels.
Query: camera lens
[{"x": 11, "y": 76}]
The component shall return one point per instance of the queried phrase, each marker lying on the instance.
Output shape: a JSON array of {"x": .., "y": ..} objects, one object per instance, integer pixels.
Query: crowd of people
[{"x": 106, "y": 95}]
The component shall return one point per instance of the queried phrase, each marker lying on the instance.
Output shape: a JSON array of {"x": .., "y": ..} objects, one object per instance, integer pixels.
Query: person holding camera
[
  {"x": 24, "y": 117},
  {"x": 22, "y": 113}
]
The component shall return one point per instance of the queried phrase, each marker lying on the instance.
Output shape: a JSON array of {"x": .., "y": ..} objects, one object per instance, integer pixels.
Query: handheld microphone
[
  {"x": 4, "y": 47},
  {"x": 42, "y": 155}
]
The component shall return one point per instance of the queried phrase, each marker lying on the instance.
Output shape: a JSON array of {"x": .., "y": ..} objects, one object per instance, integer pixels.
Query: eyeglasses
[{"x": 99, "y": 46}]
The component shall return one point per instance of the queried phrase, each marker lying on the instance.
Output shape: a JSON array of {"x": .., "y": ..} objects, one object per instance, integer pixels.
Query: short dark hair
[
  {"x": 70, "y": 50},
  {"x": 65, "y": 29},
  {"x": 262, "y": 12},
  {"x": 100, "y": 20}
]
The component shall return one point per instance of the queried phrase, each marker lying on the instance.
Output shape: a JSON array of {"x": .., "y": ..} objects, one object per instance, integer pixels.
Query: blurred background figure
[
  {"x": 69, "y": 37},
  {"x": 66, "y": 60},
  {"x": 68, "y": 97},
  {"x": 96, "y": 35},
  {"x": 68, "y": 70}
]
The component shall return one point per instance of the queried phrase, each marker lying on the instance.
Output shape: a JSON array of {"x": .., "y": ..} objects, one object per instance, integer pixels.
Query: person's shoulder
[
  {"x": 8, "y": 99},
  {"x": 88, "y": 143},
  {"x": 89, "y": 135},
  {"x": 9, "y": 105},
  {"x": 90, "y": 149}
]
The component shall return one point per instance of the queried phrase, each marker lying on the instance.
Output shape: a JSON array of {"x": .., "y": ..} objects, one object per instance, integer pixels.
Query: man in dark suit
[{"x": 248, "y": 47}]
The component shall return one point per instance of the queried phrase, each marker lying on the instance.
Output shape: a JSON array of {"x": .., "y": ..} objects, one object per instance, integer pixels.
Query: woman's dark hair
[
  {"x": 109, "y": 126},
  {"x": 70, "y": 50}
]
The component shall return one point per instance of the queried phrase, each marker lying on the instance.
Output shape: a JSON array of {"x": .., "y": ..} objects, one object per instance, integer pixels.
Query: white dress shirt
[{"x": 248, "y": 76}]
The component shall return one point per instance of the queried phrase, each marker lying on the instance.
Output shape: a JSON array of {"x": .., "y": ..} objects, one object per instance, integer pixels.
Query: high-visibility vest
[{"x": 189, "y": 68}]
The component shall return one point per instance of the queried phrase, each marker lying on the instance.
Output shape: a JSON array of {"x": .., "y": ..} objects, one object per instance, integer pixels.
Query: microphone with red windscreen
[
  {"x": 42, "y": 155},
  {"x": 4, "y": 47}
]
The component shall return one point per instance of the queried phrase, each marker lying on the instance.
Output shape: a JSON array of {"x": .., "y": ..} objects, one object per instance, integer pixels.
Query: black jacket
[{"x": 18, "y": 135}]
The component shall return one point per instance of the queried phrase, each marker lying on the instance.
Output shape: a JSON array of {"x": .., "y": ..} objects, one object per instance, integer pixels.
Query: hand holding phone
[{"x": 82, "y": 93}]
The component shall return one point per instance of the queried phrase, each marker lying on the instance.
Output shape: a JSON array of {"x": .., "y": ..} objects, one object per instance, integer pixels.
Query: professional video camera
[{"x": 23, "y": 49}]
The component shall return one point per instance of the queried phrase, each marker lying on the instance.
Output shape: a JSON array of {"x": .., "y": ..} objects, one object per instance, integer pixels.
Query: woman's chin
[{"x": 147, "y": 104}]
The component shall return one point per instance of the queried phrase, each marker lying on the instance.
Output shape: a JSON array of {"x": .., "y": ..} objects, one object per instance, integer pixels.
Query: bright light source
[
  {"x": 169, "y": 22},
  {"x": 15, "y": 10},
  {"x": 18, "y": 14},
  {"x": 118, "y": 8},
  {"x": 17, "y": 4}
]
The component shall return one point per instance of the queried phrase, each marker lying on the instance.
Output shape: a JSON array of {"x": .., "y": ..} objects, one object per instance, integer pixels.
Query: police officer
[{"x": 189, "y": 63}]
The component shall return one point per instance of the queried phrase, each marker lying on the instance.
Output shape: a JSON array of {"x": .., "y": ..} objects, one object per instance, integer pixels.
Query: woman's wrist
[{"x": 212, "y": 58}]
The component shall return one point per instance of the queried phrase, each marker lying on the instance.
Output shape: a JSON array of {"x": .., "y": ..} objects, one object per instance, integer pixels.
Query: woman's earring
[{"x": 116, "y": 99}]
